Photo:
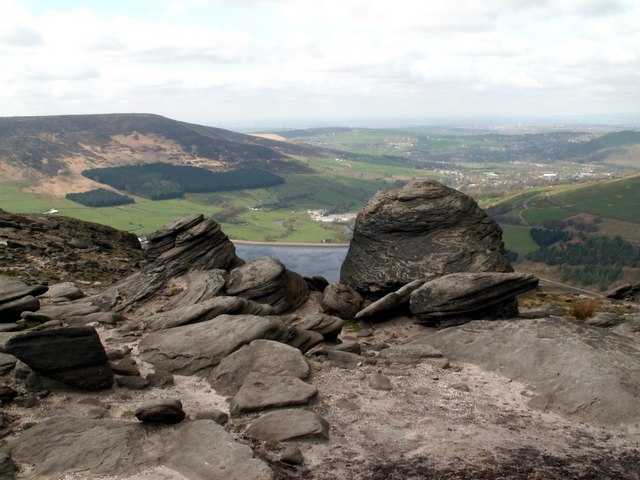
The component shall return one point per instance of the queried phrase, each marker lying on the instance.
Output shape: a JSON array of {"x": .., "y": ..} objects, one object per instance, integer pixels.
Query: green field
[{"x": 518, "y": 239}]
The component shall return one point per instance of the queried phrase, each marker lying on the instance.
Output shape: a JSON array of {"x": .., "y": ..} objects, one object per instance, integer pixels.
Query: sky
[{"x": 226, "y": 62}]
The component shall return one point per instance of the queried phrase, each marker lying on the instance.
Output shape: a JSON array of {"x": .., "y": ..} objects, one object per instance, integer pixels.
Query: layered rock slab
[
  {"x": 266, "y": 280},
  {"x": 67, "y": 446},
  {"x": 468, "y": 294},
  {"x": 264, "y": 356},
  {"x": 260, "y": 392},
  {"x": 200, "y": 347},
  {"x": 288, "y": 424},
  {"x": 575, "y": 370},
  {"x": 420, "y": 231}
]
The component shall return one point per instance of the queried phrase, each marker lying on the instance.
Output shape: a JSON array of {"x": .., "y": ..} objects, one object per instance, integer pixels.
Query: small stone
[
  {"x": 7, "y": 395},
  {"x": 160, "y": 379},
  {"x": 164, "y": 411},
  {"x": 378, "y": 381},
  {"x": 28, "y": 400},
  {"x": 462, "y": 387},
  {"x": 345, "y": 404},
  {"x": 132, "y": 382},
  {"x": 126, "y": 366},
  {"x": 292, "y": 455}
]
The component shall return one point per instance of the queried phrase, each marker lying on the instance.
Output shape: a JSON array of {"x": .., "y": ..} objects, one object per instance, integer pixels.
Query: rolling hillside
[{"x": 63, "y": 146}]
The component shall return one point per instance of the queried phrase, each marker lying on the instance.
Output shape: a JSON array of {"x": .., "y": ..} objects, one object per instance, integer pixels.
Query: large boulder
[
  {"x": 73, "y": 356},
  {"x": 578, "y": 371},
  {"x": 463, "y": 296},
  {"x": 196, "y": 450},
  {"x": 420, "y": 231}
]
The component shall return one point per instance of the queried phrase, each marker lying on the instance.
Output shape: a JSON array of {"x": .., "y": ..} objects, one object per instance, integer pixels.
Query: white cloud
[{"x": 294, "y": 57}]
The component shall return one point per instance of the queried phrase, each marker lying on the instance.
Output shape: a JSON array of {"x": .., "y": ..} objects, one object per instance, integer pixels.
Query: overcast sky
[{"x": 220, "y": 62}]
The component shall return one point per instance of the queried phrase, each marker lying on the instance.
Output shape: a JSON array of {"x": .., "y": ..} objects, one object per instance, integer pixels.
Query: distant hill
[{"x": 41, "y": 147}]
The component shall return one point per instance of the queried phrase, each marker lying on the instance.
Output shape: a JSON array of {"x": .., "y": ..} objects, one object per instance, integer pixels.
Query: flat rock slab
[
  {"x": 260, "y": 391},
  {"x": 408, "y": 354},
  {"x": 73, "y": 356},
  {"x": 190, "y": 349},
  {"x": 264, "y": 356},
  {"x": 13, "y": 289},
  {"x": 578, "y": 371},
  {"x": 390, "y": 302},
  {"x": 197, "y": 450},
  {"x": 64, "y": 311},
  {"x": 288, "y": 424},
  {"x": 461, "y": 294},
  {"x": 68, "y": 290},
  {"x": 10, "y": 311}
]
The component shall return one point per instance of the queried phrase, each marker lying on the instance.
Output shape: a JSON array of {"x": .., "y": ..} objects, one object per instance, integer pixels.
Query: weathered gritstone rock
[
  {"x": 577, "y": 371},
  {"x": 191, "y": 242},
  {"x": 68, "y": 290},
  {"x": 341, "y": 300},
  {"x": 420, "y": 231},
  {"x": 288, "y": 424},
  {"x": 13, "y": 289},
  {"x": 390, "y": 303},
  {"x": 73, "y": 356},
  {"x": 628, "y": 292},
  {"x": 326, "y": 325},
  {"x": 201, "y": 286},
  {"x": 266, "y": 280},
  {"x": 264, "y": 356},
  {"x": 94, "y": 447},
  {"x": 199, "y": 347},
  {"x": 468, "y": 295},
  {"x": 260, "y": 392}
]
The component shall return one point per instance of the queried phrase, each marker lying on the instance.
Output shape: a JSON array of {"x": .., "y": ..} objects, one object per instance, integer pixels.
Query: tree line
[
  {"x": 99, "y": 197},
  {"x": 159, "y": 181},
  {"x": 587, "y": 259}
]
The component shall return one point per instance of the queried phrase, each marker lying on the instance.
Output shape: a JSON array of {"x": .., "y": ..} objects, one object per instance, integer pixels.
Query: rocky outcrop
[
  {"x": 628, "y": 292},
  {"x": 73, "y": 356},
  {"x": 463, "y": 296},
  {"x": 188, "y": 243},
  {"x": 421, "y": 231},
  {"x": 43, "y": 249}
]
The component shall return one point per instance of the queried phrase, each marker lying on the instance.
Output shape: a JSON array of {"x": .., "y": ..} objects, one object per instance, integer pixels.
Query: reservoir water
[{"x": 307, "y": 261}]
